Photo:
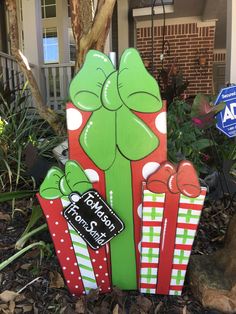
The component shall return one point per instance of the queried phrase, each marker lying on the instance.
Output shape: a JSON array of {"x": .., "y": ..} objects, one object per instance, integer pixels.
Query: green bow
[
  {"x": 57, "y": 184},
  {"x": 111, "y": 95}
]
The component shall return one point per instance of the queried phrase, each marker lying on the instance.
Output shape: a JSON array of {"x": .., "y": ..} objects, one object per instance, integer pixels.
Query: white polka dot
[
  {"x": 100, "y": 266},
  {"x": 73, "y": 294},
  {"x": 47, "y": 216},
  {"x": 75, "y": 264},
  {"x": 58, "y": 251},
  {"x": 109, "y": 288},
  {"x": 106, "y": 274},
  {"x": 139, "y": 247},
  {"x": 72, "y": 273},
  {"x": 75, "y": 198},
  {"x": 92, "y": 175},
  {"x": 160, "y": 122},
  {"x": 56, "y": 223},
  {"x": 51, "y": 202},
  {"x": 96, "y": 275},
  {"x": 67, "y": 258},
  {"x": 74, "y": 119},
  {"x": 68, "y": 281},
  {"x": 79, "y": 278},
  {"x": 84, "y": 292},
  {"x": 53, "y": 234},
  {"x": 93, "y": 260},
  {"x": 149, "y": 168},
  {"x": 76, "y": 286},
  {"x": 64, "y": 267},
  {"x": 105, "y": 259},
  {"x": 66, "y": 231},
  {"x": 103, "y": 281},
  {"x": 62, "y": 240},
  {"x": 71, "y": 248},
  {"x": 140, "y": 210},
  {"x": 97, "y": 252},
  {"x": 100, "y": 289}
]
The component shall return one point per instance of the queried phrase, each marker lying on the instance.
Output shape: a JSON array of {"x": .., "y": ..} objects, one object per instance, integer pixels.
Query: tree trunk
[
  {"x": 89, "y": 32},
  {"x": 46, "y": 113}
]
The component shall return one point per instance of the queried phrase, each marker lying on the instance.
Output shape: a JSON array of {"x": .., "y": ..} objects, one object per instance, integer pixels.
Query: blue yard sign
[{"x": 226, "y": 119}]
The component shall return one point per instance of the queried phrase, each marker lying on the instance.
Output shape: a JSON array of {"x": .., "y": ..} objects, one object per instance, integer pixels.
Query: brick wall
[{"x": 187, "y": 41}]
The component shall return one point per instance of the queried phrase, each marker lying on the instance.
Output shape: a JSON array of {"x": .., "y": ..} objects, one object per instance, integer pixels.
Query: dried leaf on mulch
[
  {"x": 93, "y": 295},
  {"x": 5, "y": 217},
  {"x": 80, "y": 306},
  {"x": 7, "y": 296},
  {"x": 144, "y": 303},
  {"x": 116, "y": 309},
  {"x": 56, "y": 280}
]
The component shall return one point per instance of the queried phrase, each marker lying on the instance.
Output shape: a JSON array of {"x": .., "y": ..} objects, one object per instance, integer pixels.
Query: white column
[
  {"x": 32, "y": 30},
  {"x": 62, "y": 31},
  {"x": 123, "y": 25},
  {"x": 231, "y": 42}
]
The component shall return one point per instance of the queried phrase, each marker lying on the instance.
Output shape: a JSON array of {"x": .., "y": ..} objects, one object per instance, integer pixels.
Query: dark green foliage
[
  {"x": 19, "y": 126},
  {"x": 185, "y": 140}
]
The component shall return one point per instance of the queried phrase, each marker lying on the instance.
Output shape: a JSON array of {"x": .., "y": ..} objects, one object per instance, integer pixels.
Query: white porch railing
[
  {"x": 11, "y": 73},
  {"x": 57, "y": 79}
]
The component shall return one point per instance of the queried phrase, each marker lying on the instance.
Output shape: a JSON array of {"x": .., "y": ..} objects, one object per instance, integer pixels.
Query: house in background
[{"x": 194, "y": 40}]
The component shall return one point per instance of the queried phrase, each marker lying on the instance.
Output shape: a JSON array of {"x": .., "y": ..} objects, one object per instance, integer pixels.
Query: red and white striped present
[
  {"x": 170, "y": 219},
  {"x": 83, "y": 268}
]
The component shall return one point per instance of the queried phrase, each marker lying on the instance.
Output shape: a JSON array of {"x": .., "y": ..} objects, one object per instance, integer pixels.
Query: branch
[
  {"x": 81, "y": 20},
  {"x": 95, "y": 38},
  {"x": 46, "y": 113}
]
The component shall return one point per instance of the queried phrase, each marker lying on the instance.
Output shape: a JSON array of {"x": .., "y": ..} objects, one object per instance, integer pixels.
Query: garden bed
[{"x": 42, "y": 287}]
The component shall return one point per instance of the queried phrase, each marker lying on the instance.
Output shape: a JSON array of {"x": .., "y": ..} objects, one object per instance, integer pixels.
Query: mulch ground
[{"x": 40, "y": 280}]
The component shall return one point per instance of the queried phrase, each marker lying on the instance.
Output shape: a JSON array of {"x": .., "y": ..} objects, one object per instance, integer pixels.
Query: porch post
[
  {"x": 123, "y": 25},
  {"x": 32, "y": 31},
  {"x": 231, "y": 42},
  {"x": 62, "y": 31}
]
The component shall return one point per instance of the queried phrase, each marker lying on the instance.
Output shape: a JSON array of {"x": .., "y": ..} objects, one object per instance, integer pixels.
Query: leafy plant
[
  {"x": 40, "y": 244},
  {"x": 203, "y": 111},
  {"x": 20, "y": 125},
  {"x": 185, "y": 140}
]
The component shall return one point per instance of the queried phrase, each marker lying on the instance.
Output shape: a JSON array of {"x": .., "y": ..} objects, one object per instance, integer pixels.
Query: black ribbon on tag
[{"x": 92, "y": 218}]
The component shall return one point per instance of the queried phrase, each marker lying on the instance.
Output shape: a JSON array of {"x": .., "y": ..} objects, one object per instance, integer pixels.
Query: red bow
[{"x": 167, "y": 178}]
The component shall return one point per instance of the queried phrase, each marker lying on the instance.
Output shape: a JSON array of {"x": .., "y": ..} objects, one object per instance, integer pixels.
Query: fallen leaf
[
  {"x": 12, "y": 306},
  {"x": 80, "y": 307},
  {"x": 185, "y": 310},
  {"x": 56, "y": 280},
  {"x": 5, "y": 217},
  {"x": 93, "y": 295},
  {"x": 3, "y": 307},
  {"x": 116, "y": 309},
  {"x": 7, "y": 296},
  {"x": 158, "y": 307},
  {"x": 26, "y": 266},
  {"x": 144, "y": 303},
  {"x": 27, "y": 308}
]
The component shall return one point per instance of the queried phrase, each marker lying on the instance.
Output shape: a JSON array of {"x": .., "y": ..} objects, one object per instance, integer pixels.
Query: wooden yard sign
[{"x": 96, "y": 209}]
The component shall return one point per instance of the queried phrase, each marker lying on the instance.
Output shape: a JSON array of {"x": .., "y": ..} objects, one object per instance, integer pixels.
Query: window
[
  {"x": 50, "y": 45},
  {"x": 48, "y": 8},
  {"x": 72, "y": 45}
]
